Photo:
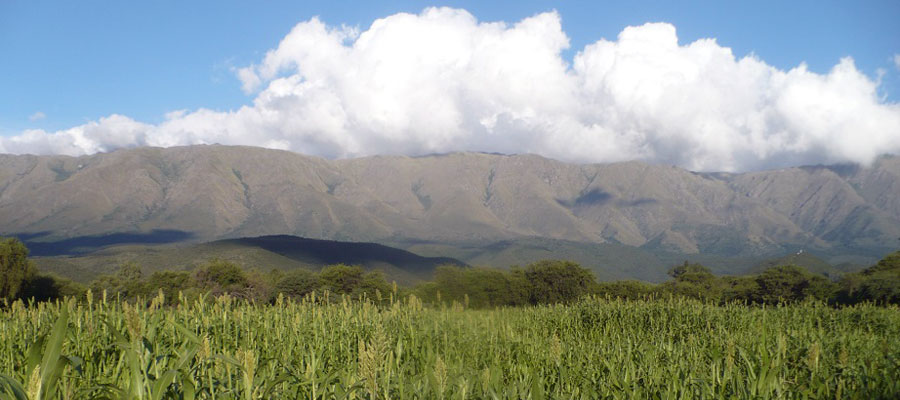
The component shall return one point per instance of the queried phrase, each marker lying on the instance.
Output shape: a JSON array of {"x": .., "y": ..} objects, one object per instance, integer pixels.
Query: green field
[{"x": 595, "y": 348}]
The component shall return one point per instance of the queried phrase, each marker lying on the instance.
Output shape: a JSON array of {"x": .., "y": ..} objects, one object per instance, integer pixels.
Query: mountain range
[{"x": 476, "y": 207}]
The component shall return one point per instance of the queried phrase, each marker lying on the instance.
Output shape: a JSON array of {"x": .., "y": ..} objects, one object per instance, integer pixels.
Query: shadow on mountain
[
  {"x": 842, "y": 170},
  {"x": 326, "y": 252},
  {"x": 643, "y": 201},
  {"x": 594, "y": 197},
  {"x": 87, "y": 244}
]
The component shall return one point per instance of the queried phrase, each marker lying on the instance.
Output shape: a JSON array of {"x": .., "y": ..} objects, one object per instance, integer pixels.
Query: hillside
[
  {"x": 204, "y": 193},
  {"x": 803, "y": 259},
  {"x": 263, "y": 253}
]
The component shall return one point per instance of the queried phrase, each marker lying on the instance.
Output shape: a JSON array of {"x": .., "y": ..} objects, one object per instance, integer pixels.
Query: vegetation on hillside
[
  {"x": 15, "y": 268},
  {"x": 543, "y": 282}
]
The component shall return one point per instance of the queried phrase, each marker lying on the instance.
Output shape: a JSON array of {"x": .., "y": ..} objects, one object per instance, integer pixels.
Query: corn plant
[
  {"x": 326, "y": 348},
  {"x": 44, "y": 365}
]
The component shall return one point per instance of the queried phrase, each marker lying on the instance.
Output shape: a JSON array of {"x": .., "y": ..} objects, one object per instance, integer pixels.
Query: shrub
[
  {"x": 298, "y": 283},
  {"x": 15, "y": 268},
  {"x": 219, "y": 277},
  {"x": 555, "y": 281}
]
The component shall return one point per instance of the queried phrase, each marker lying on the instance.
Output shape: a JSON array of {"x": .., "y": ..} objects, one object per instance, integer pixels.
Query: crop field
[{"x": 596, "y": 348}]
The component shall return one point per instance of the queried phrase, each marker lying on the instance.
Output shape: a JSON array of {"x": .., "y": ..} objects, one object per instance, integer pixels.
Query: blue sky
[
  {"x": 69, "y": 63},
  {"x": 78, "y": 61}
]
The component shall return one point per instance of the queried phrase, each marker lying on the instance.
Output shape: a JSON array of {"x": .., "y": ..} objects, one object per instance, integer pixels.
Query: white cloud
[
  {"x": 37, "y": 116},
  {"x": 109, "y": 133},
  {"x": 442, "y": 81},
  {"x": 897, "y": 61}
]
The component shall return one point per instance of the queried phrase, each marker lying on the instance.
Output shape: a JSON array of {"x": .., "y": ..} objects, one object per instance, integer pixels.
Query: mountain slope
[
  {"x": 264, "y": 253},
  {"x": 463, "y": 199}
]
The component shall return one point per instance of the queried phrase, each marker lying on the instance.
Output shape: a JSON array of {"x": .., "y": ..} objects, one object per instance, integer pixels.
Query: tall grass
[{"x": 596, "y": 348}]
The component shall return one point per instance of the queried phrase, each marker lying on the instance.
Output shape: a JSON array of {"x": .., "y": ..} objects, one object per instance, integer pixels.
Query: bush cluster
[
  {"x": 219, "y": 277},
  {"x": 544, "y": 282},
  {"x": 549, "y": 281},
  {"x": 563, "y": 281},
  {"x": 878, "y": 284}
]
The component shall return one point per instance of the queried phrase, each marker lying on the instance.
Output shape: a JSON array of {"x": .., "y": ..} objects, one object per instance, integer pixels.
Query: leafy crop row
[{"x": 311, "y": 349}]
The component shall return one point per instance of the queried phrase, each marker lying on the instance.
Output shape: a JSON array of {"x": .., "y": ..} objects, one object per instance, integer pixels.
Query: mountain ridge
[{"x": 218, "y": 192}]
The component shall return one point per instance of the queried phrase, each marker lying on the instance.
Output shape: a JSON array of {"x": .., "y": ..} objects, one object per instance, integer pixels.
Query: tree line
[{"x": 543, "y": 282}]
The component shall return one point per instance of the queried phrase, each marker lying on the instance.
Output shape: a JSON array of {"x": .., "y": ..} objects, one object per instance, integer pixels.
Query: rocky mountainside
[{"x": 215, "y": 192}]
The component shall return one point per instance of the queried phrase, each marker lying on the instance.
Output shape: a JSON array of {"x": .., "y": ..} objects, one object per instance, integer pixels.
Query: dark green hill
[
  {"x": 804, "y": 259},
  {"x": 263, "y": 253},
  {"x": 326, "y": 252},
  {"x": 608, "y": 261}
]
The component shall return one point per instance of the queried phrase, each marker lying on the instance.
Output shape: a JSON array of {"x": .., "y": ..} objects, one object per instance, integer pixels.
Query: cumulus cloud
[
  {"x": 443, "y": 81},
  {"x": 37, "y": 116},
  {"x": 107, "y": 134}
]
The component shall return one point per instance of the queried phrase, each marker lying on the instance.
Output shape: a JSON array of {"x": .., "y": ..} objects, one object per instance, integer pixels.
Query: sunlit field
[{"x": 596, "y": 348}]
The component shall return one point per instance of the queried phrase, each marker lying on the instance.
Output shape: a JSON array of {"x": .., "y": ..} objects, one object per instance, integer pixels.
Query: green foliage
[
  {"x": 476, "y": 287},
  {"x": 659, "y": 344},
  {"x": 879, "y": 283},
  {"x": 890, "y": 263},
  {"x": 372, "y": 284},
  {"x": 555, "y": 281},
  {"x": 44, "y": 365},
  {"x": 882, "y": 288},
  {"x": 790, "y": 283},
  {"x": 49, "y": 287},
  {"x": 349, "y": 280},
  {"x": 125, "y": 284},
  {"x": 694, "y": 281},
  {"x": 15, "y": 268},
  {"x": 687, "y": 268},
  {"x": 779, "y": 284},
  {"x": 590, "y": 349},
  {"x": 221, "y": 275},
  {"x": 545, "y": 282},
  {"x": 169, "y": 282},
  {"x": 341, "y": 279},
  {"x": 627, "y": 290},
  {"x": 298, "y": 283},
  {"x": 739, "y": 289}
]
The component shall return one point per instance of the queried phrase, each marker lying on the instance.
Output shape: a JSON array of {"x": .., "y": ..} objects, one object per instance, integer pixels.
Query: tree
[
  {"x": 627, "y": 290},
  {"x": 879, "y": 283},
  {"x": 791, "y": 283},
  {"x": 881, "y": 288},
  {"x": 694, "y": 280},
  {"x": 679, "y": 270},
  {"x": 220, "y": 276},
  {"x": 170, "y": 282},
  {"x": 341, "y": 279},
  {"x": 890, "y": 263},
  {"x": 555, "y": 281},
  {"x": 15, "y": 268},
  {"x": 373, "y": 283},
  {"x": 484, "y": 287},
  {"x": 43, "y": 287},
  {"x": 125, "y": 284},
  {"x": 298, "y": 283},
  {"x": 739, "y": 288}
]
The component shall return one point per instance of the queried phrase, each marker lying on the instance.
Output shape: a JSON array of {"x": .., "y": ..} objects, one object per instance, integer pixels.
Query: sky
[{"x": 732, "y": 86}]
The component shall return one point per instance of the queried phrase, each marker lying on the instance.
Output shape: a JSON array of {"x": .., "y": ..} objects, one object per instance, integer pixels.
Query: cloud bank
[{"x": 442, "y": 81}]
